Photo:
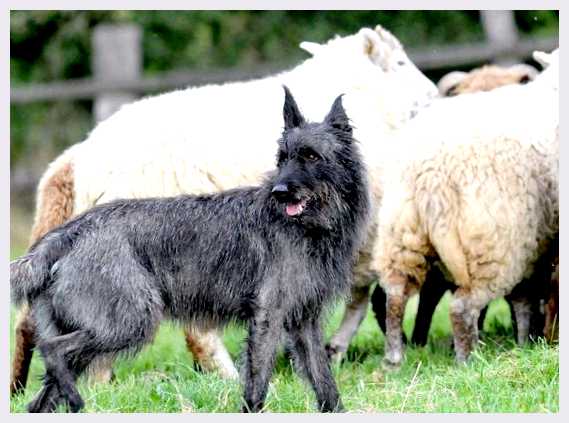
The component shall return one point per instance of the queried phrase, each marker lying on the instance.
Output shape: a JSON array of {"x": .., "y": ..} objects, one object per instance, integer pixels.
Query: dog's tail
[
  {"x": 33, "y": 273},
  {"x": 30, "y": 274}
]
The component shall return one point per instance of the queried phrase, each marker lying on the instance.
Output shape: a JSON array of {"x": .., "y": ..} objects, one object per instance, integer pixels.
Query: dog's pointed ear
[
  {"x": 337, "y": 117},
  {"x": 291, "y": 113}
]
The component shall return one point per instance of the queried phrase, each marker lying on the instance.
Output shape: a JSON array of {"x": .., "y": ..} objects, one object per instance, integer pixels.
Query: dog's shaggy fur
[
  {"x": 101, "y": 283},
  {"x": 181, "y": 142}
]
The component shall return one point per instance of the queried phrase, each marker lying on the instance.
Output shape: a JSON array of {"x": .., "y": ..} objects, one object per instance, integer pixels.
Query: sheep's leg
[
  {"x": 23, "y": 350},
  {"x": 482, "y": 318},
  {"x": 378, "y": 305},
  {"x": 551, "y": 324},
  {"x": 464, "y": 312},
  {"x": 100, "y": 370},
  {"x": 524, "y": 301},
  {"x": 430, "y": 295},
  {"x": 521, "y": 308},
  {"x": 397, "y": 296},
  {"x": 355, "y": 312},
  {"x": 209, "y": 352}
]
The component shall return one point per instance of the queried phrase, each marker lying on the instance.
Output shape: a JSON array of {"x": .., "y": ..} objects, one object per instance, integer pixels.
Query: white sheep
[
  {"x": 471, "y": 186},
  {"x": 222, "y": 136}
]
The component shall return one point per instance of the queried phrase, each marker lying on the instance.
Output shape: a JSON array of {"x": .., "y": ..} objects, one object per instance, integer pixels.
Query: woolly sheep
[
  {"x": 454, "y": 83},
  {"x": 479, "y": 196},
  {"x": 221, "y": 136}
]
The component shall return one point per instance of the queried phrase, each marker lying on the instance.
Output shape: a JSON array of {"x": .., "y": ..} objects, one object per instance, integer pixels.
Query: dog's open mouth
[{"x": 295, "y": 209}]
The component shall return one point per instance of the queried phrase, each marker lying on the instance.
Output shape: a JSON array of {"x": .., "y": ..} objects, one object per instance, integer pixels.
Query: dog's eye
[
  {"x": 401, "y": 63},
  {"x": 310, "y": 155},
  {"x": 281, "y": 158}
]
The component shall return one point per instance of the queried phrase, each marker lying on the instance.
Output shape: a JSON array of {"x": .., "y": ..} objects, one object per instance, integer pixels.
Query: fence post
[
  {"x": 501, "y": 32},
  {"x": 117, "y": 55}
]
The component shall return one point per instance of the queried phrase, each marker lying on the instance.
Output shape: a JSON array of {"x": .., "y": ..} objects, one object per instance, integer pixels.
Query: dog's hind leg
[
  {"x": 311, "y": 360},
  {"x": 65, "y": 357},
  {"x": 49, "y": 397},
  {"x": 355, "y": 312},
  {"x": 59, "y": 381}
]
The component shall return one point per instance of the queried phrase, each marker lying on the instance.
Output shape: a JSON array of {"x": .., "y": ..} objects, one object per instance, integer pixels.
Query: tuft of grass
[{"x": 500, "y": 377}]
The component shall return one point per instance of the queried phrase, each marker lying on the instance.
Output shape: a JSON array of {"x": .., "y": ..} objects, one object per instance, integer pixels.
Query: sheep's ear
[
  {"x": 372, "y": 44},
  {"x": 291, "y": 113},
  {"x": 310, "y": 47},
  {"x": 337, "y": 117},
  {"x": 388, "y": 37}
]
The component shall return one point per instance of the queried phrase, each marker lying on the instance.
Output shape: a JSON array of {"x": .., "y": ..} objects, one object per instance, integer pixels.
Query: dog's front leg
[
  {"x": 264, "y": 335},
  {"x": 312, "y": 360}
]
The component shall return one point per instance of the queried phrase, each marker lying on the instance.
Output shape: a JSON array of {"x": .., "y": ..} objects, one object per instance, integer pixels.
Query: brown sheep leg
[
  {"x": 551, "y": 327},
  {"x": 464, "y": 312},
  {"x": 23, "y": 351},
  {"x": 209, "y": 352},
  {"x": 356, "y": 310},
  {"x": 397, "y": 296},
  {"x": 100, "y": 370}
]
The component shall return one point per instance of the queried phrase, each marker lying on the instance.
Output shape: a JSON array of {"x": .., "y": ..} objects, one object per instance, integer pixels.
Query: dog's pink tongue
[{"x": 294, "y": 209}]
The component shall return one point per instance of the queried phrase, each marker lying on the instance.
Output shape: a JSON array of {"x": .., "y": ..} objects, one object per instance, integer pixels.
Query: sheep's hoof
[
  {"x": 335, "y": 353},
  {"x": 390, "y": 365}
]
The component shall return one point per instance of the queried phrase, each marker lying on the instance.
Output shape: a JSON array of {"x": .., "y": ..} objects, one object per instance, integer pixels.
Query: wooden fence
[{"x": 117, "y": 67}]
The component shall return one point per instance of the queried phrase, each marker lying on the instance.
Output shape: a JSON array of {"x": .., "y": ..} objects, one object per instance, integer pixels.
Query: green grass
[{"x": 500, "y": 376}]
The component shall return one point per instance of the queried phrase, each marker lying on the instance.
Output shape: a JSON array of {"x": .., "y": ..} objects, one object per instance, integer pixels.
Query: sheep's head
[
  {"x": 485, "y": 78},
  {"x": 374, "y": 60}
]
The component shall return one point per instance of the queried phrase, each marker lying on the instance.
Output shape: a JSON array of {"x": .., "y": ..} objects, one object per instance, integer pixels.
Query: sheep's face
[{"x": 373, "y": 62}]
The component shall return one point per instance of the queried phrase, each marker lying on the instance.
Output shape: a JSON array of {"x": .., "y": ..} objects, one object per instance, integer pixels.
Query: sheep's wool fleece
[
  {"x": 473, "y": 182},
  {"x": 219, "y": 137}
]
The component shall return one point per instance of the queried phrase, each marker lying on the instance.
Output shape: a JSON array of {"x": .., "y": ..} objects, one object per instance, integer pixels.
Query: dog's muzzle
[{"x": 283, "y": 194}]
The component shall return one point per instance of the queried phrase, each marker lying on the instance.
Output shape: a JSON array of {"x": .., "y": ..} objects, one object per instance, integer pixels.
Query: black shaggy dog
[{"x": 271, "y": 255}]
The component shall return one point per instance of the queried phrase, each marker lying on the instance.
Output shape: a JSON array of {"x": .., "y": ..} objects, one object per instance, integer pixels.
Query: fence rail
[
  {"x": 118, "y": 81},
  {"x": 434, "y": 58}
]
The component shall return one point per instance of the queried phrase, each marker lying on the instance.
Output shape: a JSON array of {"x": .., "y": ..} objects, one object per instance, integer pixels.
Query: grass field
[{"x": 500, "y": 377}]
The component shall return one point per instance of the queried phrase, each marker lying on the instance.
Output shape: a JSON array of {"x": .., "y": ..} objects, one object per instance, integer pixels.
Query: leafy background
[{"x": 55, "y": 45}]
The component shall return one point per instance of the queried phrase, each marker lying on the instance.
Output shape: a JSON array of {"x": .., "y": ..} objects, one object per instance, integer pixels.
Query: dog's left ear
[
  {"x": 337, "y": 117},
  {"x": 291, "y": 113}
]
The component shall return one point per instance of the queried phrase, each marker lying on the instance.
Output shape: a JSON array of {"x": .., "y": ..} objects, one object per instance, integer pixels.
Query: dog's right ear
[
  {"x": 337, "y": 117},
  {"x": 291, "y": 113}
]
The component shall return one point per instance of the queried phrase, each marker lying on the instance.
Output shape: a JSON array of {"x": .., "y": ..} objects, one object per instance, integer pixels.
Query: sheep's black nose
[{"x": 280, "y": 189}]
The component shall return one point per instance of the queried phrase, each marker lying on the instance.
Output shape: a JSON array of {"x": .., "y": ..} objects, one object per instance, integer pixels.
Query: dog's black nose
[{"x": 280, "y": 189}]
